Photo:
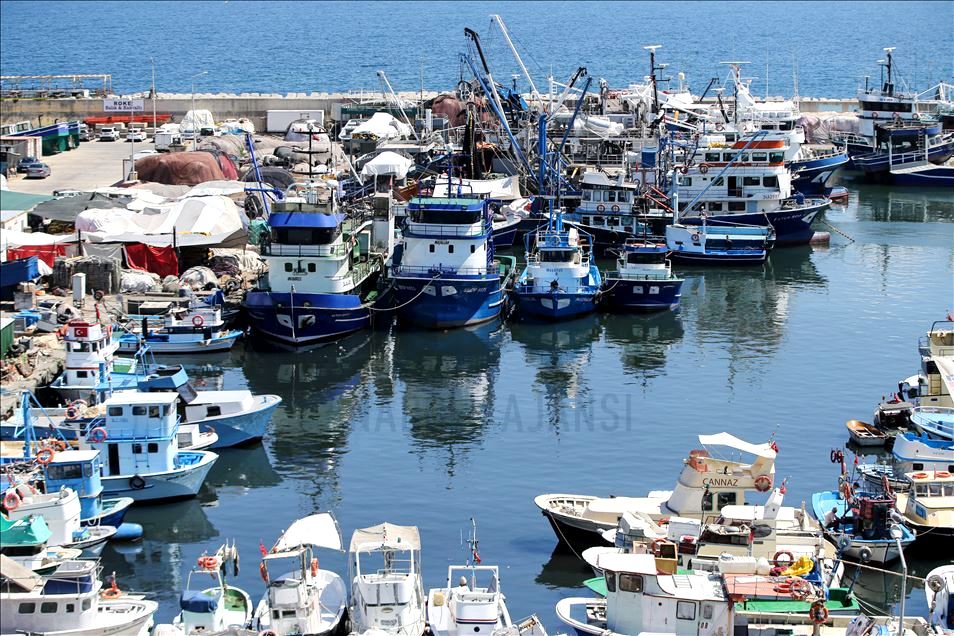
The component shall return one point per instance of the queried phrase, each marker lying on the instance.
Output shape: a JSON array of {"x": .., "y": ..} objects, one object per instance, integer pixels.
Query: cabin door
[{"x": 113, "y": 459}]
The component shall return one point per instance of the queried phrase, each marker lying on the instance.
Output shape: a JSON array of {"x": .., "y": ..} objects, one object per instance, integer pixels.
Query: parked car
[
  {"x": 66, "y": 194},
  {"x": 108, "y": 134},
  {"x": 85, "y": 134},
  {"x": 38, "y": 170},
  {"x": 136, "y": 134},
  {"x": 24, "y": 164}
]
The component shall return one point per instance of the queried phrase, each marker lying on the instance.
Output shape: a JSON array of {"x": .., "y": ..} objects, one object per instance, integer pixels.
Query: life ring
[
  {"x": 763, "y": 483},
  {"x": 45, "y": 456},
  {"x": 800, "y": 589},
  {"x": 11, "y": 501},
  {"x": 601, "y": 208},
  {"x": 935, "y": 582},
  {"x": 919, "y": 475},
  {"x": 59, "y": 445},
  {"x": 97, "y": 435},
  {"x": 198, "y": 321},
  {"x": 703, "y": 168},
  {"x": 785, "y": 553},
  {"x": 874, "y": 115},
  {"x": 208, "y": 562},
  {"x": 916, "y": 116},
  {"x": 942, "y": 474},
  {"x": 72, "y": 413},
  {"x": 683, "y": 169},
  {"x": 818, "y": 613},
  {"x": 694, "y": 237},
  {"x": 615, "y": 208},
  {"x": 136, "y": 482},
  {"x": 113, "y": 592},
  {"x": 263, "y": 571},
  {"x": 865, "y": 554},
  {"x": 314, "y": 567}
]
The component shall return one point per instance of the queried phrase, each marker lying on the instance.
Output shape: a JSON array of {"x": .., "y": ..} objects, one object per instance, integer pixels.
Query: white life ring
[
  {"x": 601, "y": 208},
  {"x": 694, "y": 237},
  {"x": 615, "y": 208}
]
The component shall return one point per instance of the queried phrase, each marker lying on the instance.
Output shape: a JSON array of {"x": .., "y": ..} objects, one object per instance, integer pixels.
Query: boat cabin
[
  {"x": 89, "y": 354},
  {"x": 447, "y": 235},
  {"x": 79, "y": 470},
  {"x": 471, "y": 602},
  {"x": 930, "y": 499},
  {"x": 609, "y": 203},
  {"x": 139, "y": 433}
]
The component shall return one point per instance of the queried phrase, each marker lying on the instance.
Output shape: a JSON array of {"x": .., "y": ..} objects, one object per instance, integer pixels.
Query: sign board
[{"x": 122, "y": 105}]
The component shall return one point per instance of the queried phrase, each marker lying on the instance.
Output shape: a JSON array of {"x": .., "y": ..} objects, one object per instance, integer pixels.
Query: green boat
[{"x": 25, "y": 541}]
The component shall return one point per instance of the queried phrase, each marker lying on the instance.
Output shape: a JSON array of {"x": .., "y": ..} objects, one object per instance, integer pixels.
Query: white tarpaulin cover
[
  {"x": 197, "y": 119},
  {"x": 407, "y": 537},
  {"x": 387, "y": 164},
  {"x": 382, "y": 126},
  {"x": 731, "y": 441},
  {"x": 196, "y": 221},
  {"x": 12, "y": 238},
  {"x": 318, "y": 530},
  {"x": 945, "y": 364},
  {"x": 506, "y": 189}
]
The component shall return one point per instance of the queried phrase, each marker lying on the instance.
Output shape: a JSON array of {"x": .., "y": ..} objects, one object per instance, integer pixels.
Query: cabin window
[
  {"x": 630, "y": 583},
  {"x": 728, "y": 156},
  {"x": 139, "y": 410},
  {"x": 115, "y": 411},
  {"x": 610, "y": 580},
  {"x": 751, "y": 181},
  {"x": 624, "y": 197},
  {"x": 48, "y": 607},
  {"x": 934, "y": 490},
  {"x": 950, "y": 468},
  {"x": 87, "y": 603},
  {"x": 213, "y": 411},
  {"x": 707, "y": 611},
  {"x": 312, "y": 268},
  {"x": 154, "y": 411},
  {"x": 715, "y": 206},
  {"x": 82, "y": 374},
  {"x": 707, "y": 501},
  {"x": 770, "y": 182},
  {"x": 473, "y": 249},
  {"x": 776, "y": 157},
  {"x": 611, "y": 196},
  {"x": 917, "y": 466},
  {"x": 686, "y": 610},
  {"x": 288, "y": 267},
  {"x": 62, "y": 472},
  {"x": 598, "y": 220},
  {"x": 137, "y": 449},
  {"x": 152, "y": 447},
  {"x": 759, "y": 156},
  {"x": 726, "y": 499},
  {"x": 26, "y": 608},
  {"x": 587, "y": 195},
  {"x": 712, "y": 156},
  {"x": 166, "y": 409},
  {"x": 556, "y": 256},
  {"x": 70, "y": 608},
  {"x": 431, "y": 248},
  {"x": 736, "y": 206},
  {"x": 685, "y": 181},
  {"x": 613, "y": 221},
  {"x": 450, "y": 249}
]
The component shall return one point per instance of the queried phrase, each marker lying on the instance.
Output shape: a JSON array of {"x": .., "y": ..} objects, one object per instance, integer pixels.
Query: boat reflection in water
[
  {"x": 908, "y": 205},
  {"x": 559, "y": 353},
  {"x": 644, "y": 341},
  {"x": 448, "y": 396},
  {"x": 564, "y": 571},
  {"x": 240, "y": 468}
]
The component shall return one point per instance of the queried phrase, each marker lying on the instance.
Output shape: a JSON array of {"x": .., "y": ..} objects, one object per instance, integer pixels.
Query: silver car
[{"x": 38, "y": 171}]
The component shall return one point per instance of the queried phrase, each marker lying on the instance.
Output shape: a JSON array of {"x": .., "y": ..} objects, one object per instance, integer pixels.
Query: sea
[
  {"x": 282, "y": 47},
  {"x": 436, "y": 429}
]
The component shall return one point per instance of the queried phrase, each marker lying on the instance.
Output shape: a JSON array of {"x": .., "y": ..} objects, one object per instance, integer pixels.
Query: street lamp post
[
  {"x": 152, "y": 61},
  {"x": 195, "y": 139}
]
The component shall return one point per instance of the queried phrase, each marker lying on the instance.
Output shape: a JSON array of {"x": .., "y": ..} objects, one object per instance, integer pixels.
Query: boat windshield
[
  {"x": 305, "y": 235},
  {"x": 637, "y": 258},
  {"x": 557, "y": 256},
  {"x": 445, "y": 217}
]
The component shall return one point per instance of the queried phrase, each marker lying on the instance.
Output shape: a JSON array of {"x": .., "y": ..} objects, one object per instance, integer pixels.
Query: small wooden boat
[{"x": 864, "y": 434}]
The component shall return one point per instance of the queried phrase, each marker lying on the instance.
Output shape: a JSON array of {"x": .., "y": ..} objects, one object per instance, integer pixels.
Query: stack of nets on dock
[{"x": 102, "y": 274}]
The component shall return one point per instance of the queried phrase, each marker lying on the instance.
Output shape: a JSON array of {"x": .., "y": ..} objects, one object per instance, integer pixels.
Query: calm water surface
[
  {"x": 431, "y": 429},
  {"x": 322, "y": 46}
]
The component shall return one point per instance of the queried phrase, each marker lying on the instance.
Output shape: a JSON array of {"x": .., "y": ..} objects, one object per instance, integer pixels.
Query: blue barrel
[{"x": 648, "y": 157}]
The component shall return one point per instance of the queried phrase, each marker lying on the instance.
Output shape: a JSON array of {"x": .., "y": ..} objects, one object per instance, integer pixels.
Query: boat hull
[
  {"x": 325, "y": 317},
  {"x": 448, "y": 302},
  {"x": 792, "y": 227},
  {"x": 731, "y": 257},
  {"x": 182, "y": 483},
  {"x": 160, "y": 346},
  {"x": 939, "y": 177},
  {"x": 877, "y": 164},
  {"x": 112, "y": 513},
  {"x": 554, "y": 305},
  {"x": 627, "y": 294},
  {"x": 810, "y": 176},
  {"x": 244, "y": 428}
]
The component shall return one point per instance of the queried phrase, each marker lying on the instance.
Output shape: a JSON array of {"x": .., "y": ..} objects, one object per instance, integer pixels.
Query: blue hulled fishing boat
[{"x": 643, "y": 280}]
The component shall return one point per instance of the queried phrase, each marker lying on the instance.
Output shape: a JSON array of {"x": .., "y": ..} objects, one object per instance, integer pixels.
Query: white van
[{"x": 108, "y": 133}]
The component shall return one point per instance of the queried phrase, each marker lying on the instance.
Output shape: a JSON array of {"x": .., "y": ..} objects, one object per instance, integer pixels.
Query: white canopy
[
  {"x": 505, "y": 189},
  {"x": 387, "y": 164},
  {"x": 318, "y": 530},
  {"x": 407, "y": 537},
  {"x": 731, "y": 441},
  {"x": 945, "y": 364},
  {"x": 197, "y": 119},
  {"x": 12, "y": 238},
  {"x": 382, "y": 126}
]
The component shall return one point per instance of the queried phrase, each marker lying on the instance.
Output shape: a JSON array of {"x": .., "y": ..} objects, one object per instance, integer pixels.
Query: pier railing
[{"x": 447, "y": 230}]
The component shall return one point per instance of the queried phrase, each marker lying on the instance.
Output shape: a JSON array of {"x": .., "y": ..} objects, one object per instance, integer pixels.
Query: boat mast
[
  {"x": 652, "y": 75},
  {"x": 534, "y": 93}
]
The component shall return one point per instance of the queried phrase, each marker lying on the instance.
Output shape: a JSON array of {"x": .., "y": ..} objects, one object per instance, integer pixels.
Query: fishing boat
[
  {"x": 61, "y": 511},
  {"x": 643, "y": 279},
  {"x": 909, "y": 453},
  {"x": 208, "y": 604},
  {"x": 902, "y": 148},
  {"x": 920, "y": 172},
  {"x": 864, "y": 434},
  {"x": 609, "y": 210},
  {"x": 81, "y": 470},
  {"x": 936, "y": 422},
  {"x": 644, "y": 594},
  {"x": 300, "y": 597},
  {"x": 861, "y": 525},
  {"x": 323, "y": 266},
  {"x": 706, "y": 485},
  {"x": 138, "y": 440},
  {"x": 928, "y": 504},
  {"x": 939, "y": 593},
  {"x": 559, "y": 280},
  {"x": 71, "y": 601},
  {"x": 26, "y": 541},
  {"x": 387, "y": 594},
  {"x": 199, "y": 328},
  {"x": 90, "y": 351},
  {"x": 446, "y": 273},
  {"x": 722, "y": 244}
]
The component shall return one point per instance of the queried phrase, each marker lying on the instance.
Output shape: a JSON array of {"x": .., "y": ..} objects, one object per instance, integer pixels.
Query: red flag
[
  {"x": 262, "y": 548},
  {"x": 476, "y": 557}
]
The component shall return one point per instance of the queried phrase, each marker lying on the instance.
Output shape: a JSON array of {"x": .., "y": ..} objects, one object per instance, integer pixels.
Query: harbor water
[
  {"x": 286, "y": 47},
  {"x": 433, "y": 428}
]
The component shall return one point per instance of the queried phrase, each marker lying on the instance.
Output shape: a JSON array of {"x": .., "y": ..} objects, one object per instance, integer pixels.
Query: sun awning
[
  {"x": 731, "y": 441},
  {"x": 319, "y": 530},
  {"x": 407, "y": 537},
  {"x": 945, "y": 365},
  {"x": 504, "y": 189}
]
